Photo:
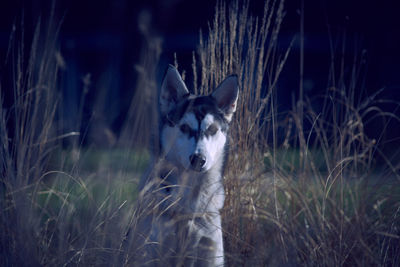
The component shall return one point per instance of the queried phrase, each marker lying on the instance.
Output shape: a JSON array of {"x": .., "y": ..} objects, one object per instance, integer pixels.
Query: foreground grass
[
  {"x": 349, "y": 221},
  {"x": 304, "y": 220},
  {"x": 74, "y": 216}
]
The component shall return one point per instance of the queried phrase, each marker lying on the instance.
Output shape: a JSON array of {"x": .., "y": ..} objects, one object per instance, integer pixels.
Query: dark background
[{"x": 102, "y": 38}]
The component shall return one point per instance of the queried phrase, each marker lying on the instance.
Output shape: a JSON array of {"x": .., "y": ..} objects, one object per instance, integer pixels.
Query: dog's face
[{"x": 194, "y": 128}]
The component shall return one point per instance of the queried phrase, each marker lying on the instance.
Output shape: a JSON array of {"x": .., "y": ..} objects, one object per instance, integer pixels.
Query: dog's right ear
[
  {"x": 226, "y": 95},
  {"x": 173, "y": 89}
]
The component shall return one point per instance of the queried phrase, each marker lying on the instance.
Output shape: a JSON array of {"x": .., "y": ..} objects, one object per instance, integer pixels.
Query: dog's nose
[{"x": 197, "y": 161}]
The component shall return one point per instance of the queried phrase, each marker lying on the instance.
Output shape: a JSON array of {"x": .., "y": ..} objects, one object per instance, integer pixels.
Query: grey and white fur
[{"x": 179, "y": 222}]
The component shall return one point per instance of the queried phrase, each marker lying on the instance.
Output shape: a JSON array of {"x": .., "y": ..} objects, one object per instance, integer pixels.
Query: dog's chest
[{"x": 200, "y": 194}]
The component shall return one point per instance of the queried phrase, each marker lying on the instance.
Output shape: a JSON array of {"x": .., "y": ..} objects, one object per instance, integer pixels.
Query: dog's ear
[
  {"x": 173, "y": 89},
  {"x": 226, "y": 96}
]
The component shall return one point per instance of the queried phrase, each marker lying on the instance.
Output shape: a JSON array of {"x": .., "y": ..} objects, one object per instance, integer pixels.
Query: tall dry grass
[
  {"x": 312, "y": 196},
  {"x": 27, "y": 138},
  {"x": 59, "y": 205},
  {"x": 302, "y": 186},
  {"x": 248, "y": 46}
]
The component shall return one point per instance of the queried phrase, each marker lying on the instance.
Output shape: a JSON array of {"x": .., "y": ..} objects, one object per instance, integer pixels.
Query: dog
[{"x": 179, "y": 221}]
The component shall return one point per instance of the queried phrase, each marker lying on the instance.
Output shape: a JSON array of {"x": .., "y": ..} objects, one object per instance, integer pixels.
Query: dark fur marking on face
[{"x": 200, "y": 106}]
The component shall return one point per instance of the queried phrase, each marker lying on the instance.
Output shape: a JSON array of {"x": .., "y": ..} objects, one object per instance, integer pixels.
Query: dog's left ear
[{"x": 226, "y": 96}]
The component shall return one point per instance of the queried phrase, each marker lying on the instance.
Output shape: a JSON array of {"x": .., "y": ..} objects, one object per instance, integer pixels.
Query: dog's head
[{"x": 194, "y": 128}]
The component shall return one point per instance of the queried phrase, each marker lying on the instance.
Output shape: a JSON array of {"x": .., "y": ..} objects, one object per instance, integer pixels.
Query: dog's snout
[{"x": 197, "y": 161}]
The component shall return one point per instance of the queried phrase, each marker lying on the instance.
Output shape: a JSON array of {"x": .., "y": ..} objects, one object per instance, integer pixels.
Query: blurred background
[{"x": 102, "y": 41}]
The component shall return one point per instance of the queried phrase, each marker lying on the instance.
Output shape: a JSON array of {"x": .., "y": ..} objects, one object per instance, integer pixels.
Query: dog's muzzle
[{"x": 197, "y": 161}]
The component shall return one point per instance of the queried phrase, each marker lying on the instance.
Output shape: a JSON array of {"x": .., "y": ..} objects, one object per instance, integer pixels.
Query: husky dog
[{"x": 179, "y": 221}]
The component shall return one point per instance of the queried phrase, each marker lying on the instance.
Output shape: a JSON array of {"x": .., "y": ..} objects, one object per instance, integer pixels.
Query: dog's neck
[{"x": 206, "y": 189}]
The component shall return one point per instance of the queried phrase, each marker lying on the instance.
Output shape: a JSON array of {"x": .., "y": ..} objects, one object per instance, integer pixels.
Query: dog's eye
[
  {"x": 185, "y": 129},
  {"x": 211, "y": 130}
]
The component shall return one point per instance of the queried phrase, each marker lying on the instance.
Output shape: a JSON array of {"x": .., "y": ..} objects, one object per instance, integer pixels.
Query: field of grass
[{"x": 297, "y": 195}]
